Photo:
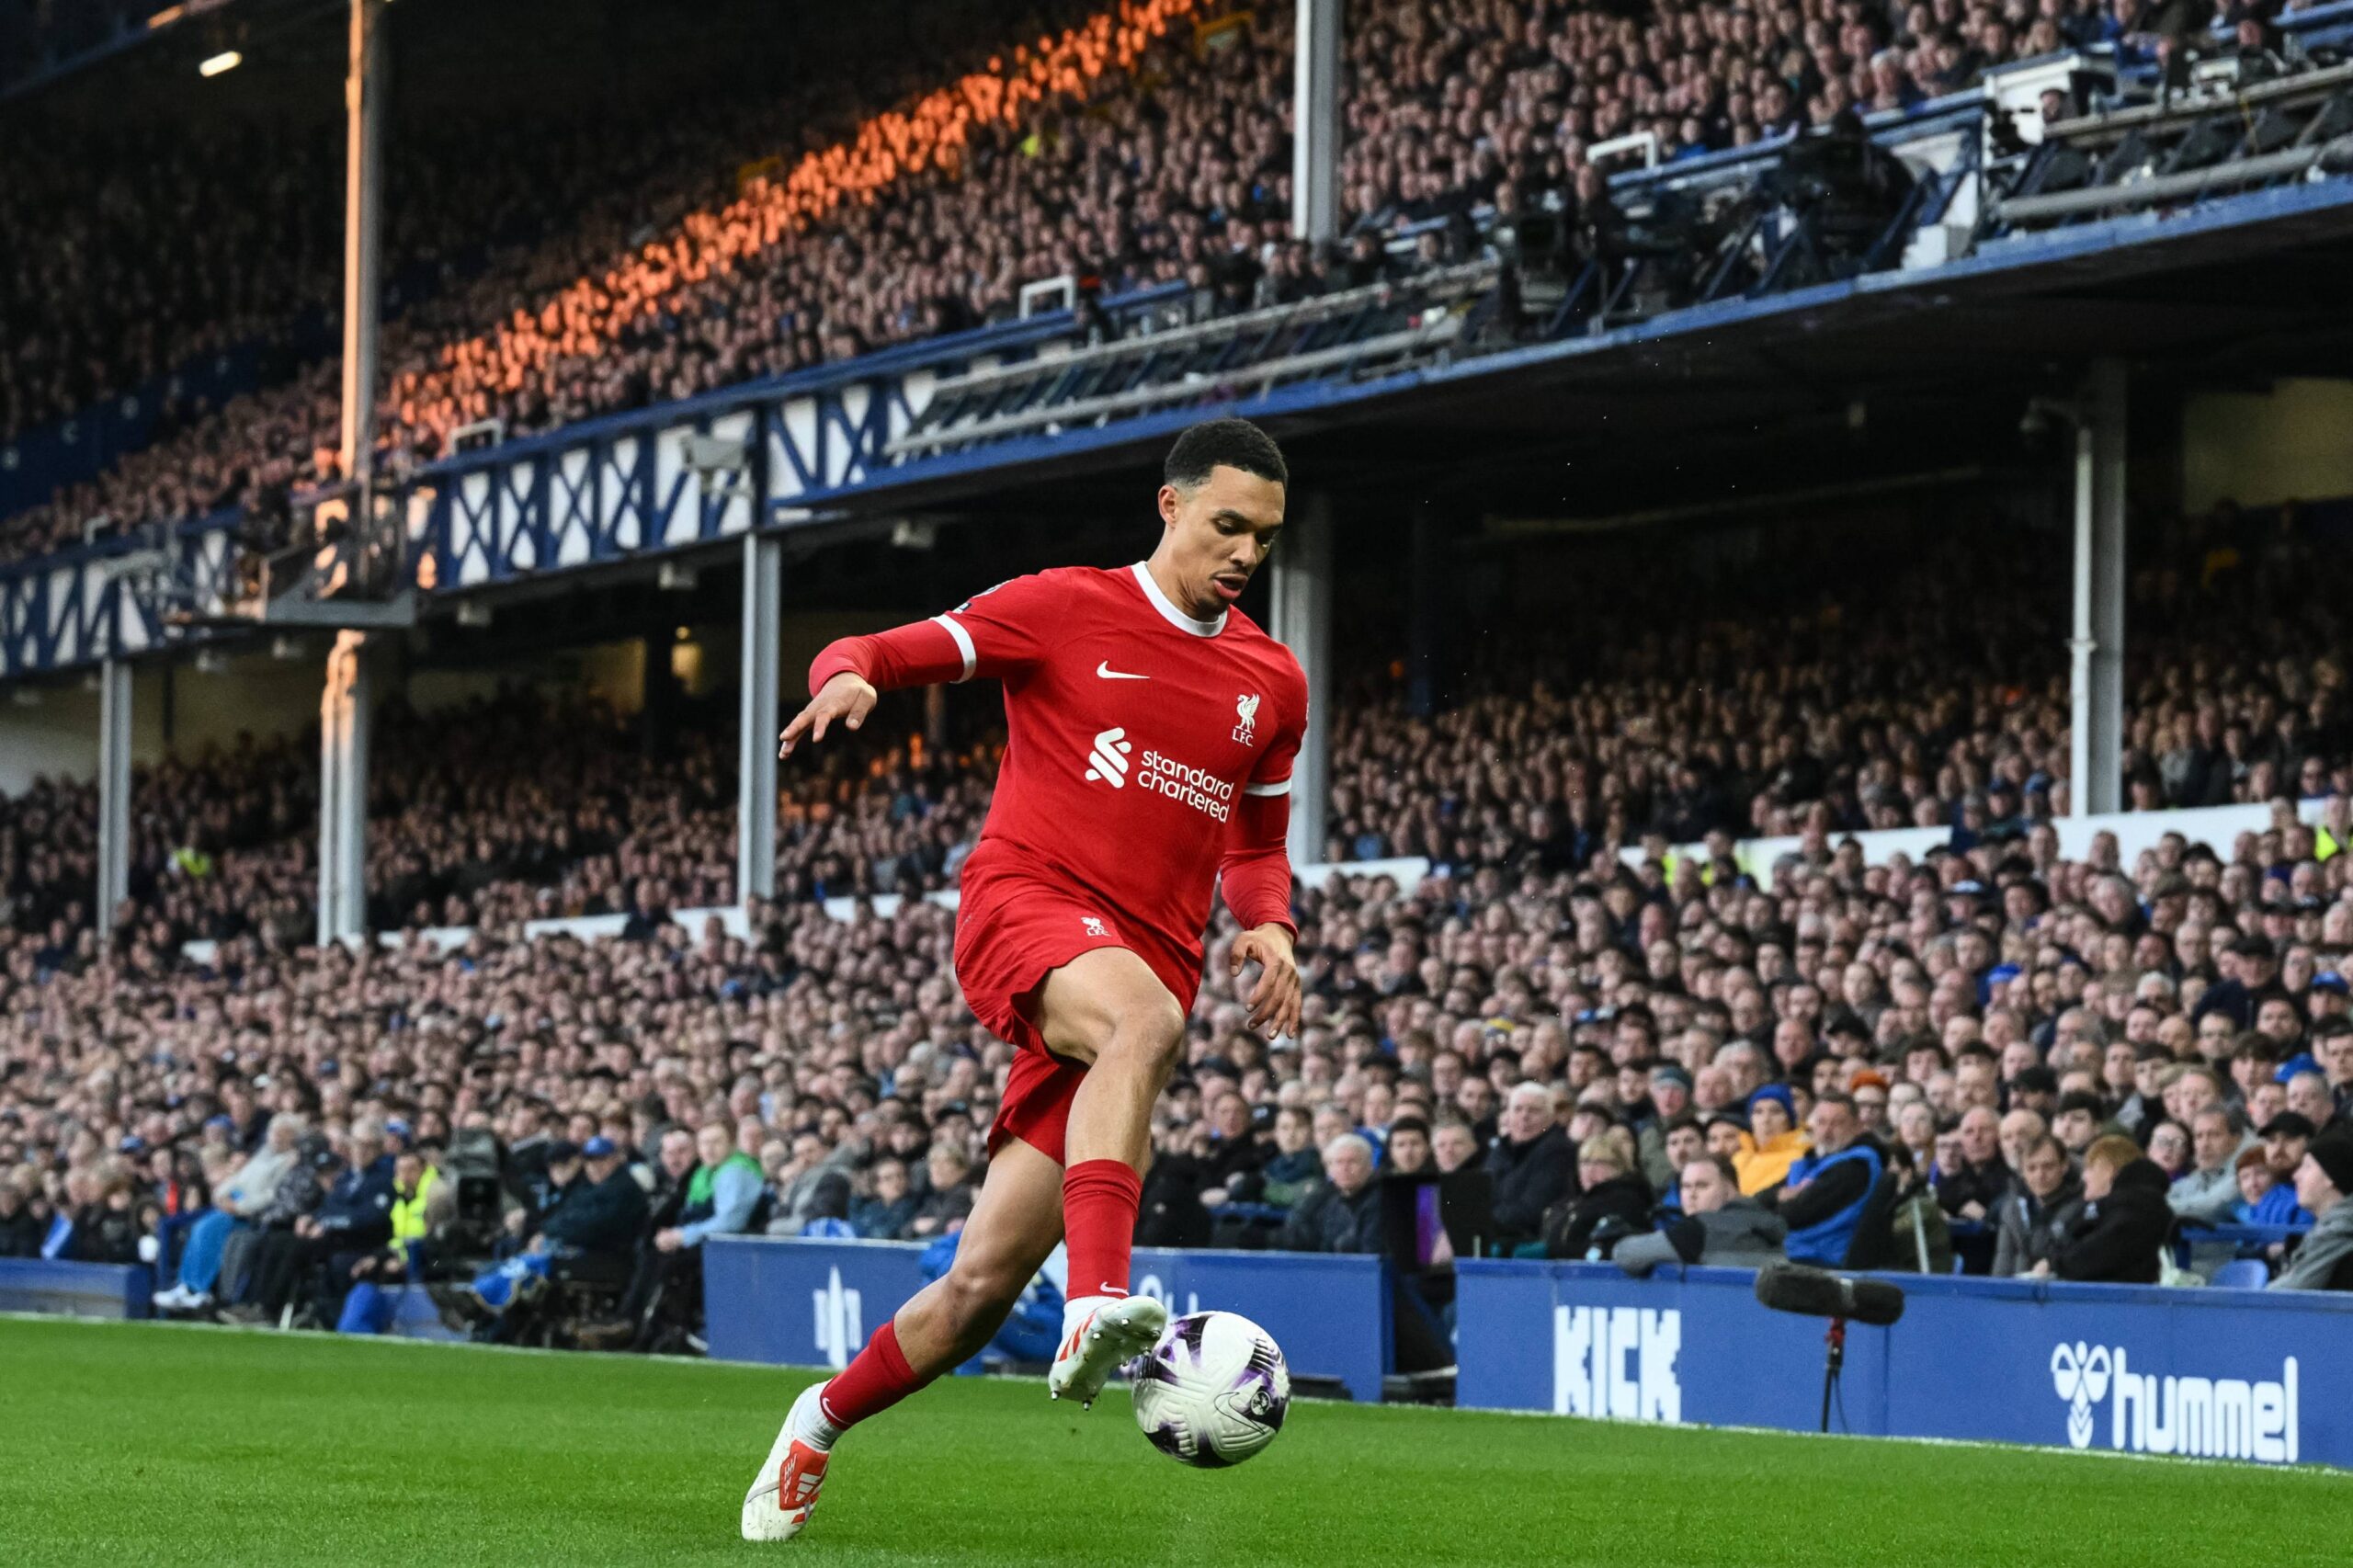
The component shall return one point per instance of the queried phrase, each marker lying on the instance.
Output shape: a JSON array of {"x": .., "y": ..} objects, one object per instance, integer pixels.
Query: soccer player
[{"x": 1151, "y": 731}]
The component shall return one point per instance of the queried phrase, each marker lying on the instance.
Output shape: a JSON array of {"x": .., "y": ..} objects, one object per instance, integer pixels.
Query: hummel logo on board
[
  {"x": 1109, "y": 760},
  {"x": 1108, "y": 672}
]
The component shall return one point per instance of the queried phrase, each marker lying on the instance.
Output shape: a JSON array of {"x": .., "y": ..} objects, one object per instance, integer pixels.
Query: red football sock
[
  {"x": 1100, "y": 1199},
  {"x": 876, "y": 1379}
]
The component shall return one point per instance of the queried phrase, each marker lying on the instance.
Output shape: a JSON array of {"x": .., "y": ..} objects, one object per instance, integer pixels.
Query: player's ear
[{"x": 1169, "y": 501}]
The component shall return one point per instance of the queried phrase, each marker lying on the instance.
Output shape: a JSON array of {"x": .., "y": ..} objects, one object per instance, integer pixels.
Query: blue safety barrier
[
  {"x": 2215, "y": 1374},
  {"x": 80, "y": 1289},
  {"x": 796, "y": 1301}
]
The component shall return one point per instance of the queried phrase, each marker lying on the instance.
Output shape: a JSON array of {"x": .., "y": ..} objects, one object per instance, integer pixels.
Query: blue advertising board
[
  {"x": 79, "y": 1289},
  {"x": 2212, "y": 1374},
  {"x": 813, "y": 1304}
]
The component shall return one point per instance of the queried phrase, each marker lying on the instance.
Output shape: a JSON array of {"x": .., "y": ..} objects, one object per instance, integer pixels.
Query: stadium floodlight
[{"x": 227, "y": 60}]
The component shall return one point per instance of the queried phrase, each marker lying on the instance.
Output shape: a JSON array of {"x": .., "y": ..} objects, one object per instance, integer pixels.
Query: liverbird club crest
[{"x": 1245, "y": 709}]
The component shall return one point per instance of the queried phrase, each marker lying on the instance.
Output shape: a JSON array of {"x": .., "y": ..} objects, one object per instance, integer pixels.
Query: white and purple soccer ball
[{"x": 1213, "y": 1391}]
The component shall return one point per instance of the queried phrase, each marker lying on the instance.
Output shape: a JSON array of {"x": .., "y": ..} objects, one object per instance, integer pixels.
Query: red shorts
[{"x": 1015, "y": 925}]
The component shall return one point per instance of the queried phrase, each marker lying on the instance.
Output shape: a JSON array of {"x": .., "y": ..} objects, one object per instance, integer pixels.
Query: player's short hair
[{"x": 1223, "y": 443}]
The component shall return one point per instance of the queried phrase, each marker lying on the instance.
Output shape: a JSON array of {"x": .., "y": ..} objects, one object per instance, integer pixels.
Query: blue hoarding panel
[
  {"x": 2215, "y": 1374},
  {"x": 805, "y": 1302},
  {"x": 1329, "y": 1311},
  {"x": 802, "y": 1303},
  {"x": 80, "y": 1289}
]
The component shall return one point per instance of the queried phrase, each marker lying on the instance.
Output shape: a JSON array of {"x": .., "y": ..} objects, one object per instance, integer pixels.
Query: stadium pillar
[
  {"x": 1315, "y": 124},
  {"x": 114, "y": 792},
  {"x": 755, "y": 750},
  {"x": 1302, "y": 621},
  {"x": 2095, "y": 675},
  {"x": 344, "y": 712},
  {"x": 363, "y": 97}
]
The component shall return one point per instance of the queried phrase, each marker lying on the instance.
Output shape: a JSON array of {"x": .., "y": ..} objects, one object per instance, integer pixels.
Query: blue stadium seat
[{"x": 2242, "y": 1274}]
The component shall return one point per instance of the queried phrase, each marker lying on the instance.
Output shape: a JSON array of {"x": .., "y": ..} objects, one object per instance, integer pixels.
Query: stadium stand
[
  {"x": 1918, "y": 692},
  {"x": 1131, "y": 148},
  {"x": 1560, "y": 997},
  {"x": 2152, "y": 996},
  {"x": 1974, "y": 1001}
]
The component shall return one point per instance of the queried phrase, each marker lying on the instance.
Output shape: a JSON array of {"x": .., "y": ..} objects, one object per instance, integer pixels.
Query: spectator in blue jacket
[
  {"x": 352, "y": 1221},
  {"x": 1828, "y": 1186},
  {"x": 599, "y": 1214},
  {"x": 2264, "y": 1199},
  {"x": 884, "y": 1214}
]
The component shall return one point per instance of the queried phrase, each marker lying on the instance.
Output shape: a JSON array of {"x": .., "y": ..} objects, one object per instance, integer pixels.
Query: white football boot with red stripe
[
  {"x": 1100, "y": 1333},
  {"x": 784, "y": 1493}
]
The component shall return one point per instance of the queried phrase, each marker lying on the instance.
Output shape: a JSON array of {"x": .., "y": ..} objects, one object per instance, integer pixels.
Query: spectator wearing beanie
[
  {"x": 2324, "y": 1259},
  {"x": 1773, "y": 1141}
]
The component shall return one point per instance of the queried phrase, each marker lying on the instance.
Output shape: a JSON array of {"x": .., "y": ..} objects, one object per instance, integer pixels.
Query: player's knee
[
  {"x": 1151, "y": 1030},
  {"x": 979, "y": 1294}
]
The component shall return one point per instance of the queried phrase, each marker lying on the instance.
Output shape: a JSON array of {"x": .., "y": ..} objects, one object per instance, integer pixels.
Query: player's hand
[
  {"x": 1274, "y": 1000},
  {"x": 847, "y": 700}
]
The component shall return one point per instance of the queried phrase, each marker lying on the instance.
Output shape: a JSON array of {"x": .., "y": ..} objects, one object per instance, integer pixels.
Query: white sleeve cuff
[
  {"x": 1280, "y": 787},
  {"x": 963, "y": 644}
]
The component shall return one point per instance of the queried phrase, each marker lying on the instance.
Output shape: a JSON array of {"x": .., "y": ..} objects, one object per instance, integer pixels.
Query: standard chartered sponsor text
[{"x": 1202, "y": 790}]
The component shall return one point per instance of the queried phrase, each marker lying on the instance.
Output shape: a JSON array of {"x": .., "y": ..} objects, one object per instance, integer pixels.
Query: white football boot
[
  {"x": 1100, "y": 1333},
  {"x": 784, "y": 1493}
]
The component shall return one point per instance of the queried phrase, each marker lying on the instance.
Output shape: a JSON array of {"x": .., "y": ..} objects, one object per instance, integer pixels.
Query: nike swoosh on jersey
[{"x": 1108, "y": 672}]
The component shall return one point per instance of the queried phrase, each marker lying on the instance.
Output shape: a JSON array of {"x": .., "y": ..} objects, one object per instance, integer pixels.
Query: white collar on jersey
[{"x": 1167, "y": 607}]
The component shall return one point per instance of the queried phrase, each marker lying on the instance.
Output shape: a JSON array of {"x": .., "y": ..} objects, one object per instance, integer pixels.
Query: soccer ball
[{"x": 1213, "y": 1391}]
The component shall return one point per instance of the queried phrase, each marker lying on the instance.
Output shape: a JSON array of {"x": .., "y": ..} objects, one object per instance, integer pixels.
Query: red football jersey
[{"x": 1147, "y": 750}]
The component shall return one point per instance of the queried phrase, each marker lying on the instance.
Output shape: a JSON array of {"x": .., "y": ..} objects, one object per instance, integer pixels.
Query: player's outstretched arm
[
  {"x": 994, "y": 635},
  {"x": 846, "y": 699}
]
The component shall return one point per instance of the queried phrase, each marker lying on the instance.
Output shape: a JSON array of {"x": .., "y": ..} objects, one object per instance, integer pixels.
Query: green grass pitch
[{"x": 125, "y": 1444}]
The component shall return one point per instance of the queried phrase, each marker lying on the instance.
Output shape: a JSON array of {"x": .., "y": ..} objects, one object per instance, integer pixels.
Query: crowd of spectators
[
  {"x": 1926, "y": 692},
  {"x": 500, "y": 811},
  {"x": 1138, "y": 143},
  {"x": 1926, "y": 696},
  {"x": 2039, "y": 1064}
]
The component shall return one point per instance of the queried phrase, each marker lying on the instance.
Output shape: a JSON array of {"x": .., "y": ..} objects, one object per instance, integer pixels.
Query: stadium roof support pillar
[
  {"x": 344, "y": 715},
  {"x": 756, "y": 749},
  {"x": 1302, "y": 621},
  {"x": 1316, "y": 125},
  {"x": 363, "y": 97},
  {"x": 2095, "y": 675},
  {"x": 114, "y": 792}
]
